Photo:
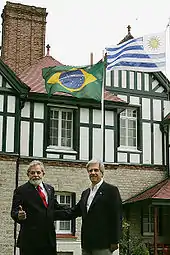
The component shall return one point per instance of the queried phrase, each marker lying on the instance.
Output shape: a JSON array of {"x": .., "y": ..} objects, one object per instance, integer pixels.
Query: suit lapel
[
  {"x": 84, "y": 200},
  {"x": 97, "y": 196},
  {"x": 33, "y": 193},
  {"x": 48, "y": 190}
]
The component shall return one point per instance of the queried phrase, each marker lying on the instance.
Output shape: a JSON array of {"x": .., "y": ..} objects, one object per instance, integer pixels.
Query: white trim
[
  {"x": 63, "y": 106},
  {"x": 52, "y": 148},
  {"x": 126, "y": 148}
]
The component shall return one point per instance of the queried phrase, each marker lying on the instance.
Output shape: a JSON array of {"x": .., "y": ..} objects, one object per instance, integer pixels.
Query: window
[
  {"x": 128, "y": 128},
  {"x": 65, "y": 226},
  {"x": 61, "y": 128},
  {"x": 148, "y": 220}
]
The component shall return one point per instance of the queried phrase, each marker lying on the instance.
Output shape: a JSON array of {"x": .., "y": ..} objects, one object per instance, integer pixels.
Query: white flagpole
[
  {"x": 102, "y": 114},
  {"x": 167, "y": 35}
]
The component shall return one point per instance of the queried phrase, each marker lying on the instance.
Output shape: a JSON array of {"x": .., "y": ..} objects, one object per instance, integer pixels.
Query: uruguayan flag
[{"x": 143, "y": 54}]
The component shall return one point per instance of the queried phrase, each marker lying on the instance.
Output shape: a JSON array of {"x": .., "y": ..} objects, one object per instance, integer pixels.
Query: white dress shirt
[{"x": 93, "y": 191}]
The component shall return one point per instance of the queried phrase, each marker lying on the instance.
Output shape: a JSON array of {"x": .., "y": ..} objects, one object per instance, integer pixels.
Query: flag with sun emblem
[
  {"x": 81, "y": 82},
  {"x": 143, "y": 54}
]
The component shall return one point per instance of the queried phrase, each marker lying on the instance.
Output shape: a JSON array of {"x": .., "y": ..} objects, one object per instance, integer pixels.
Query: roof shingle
[{"x": 159, "y": 191}]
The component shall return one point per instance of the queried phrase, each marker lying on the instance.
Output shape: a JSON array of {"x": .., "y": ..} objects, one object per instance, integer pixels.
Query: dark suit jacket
[
  {"x": 101, "y": 225},
  {"x": 38, "y": 228}
]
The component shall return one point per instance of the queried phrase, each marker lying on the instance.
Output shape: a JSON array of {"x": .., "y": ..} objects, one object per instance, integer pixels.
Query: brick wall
[{"x": 23, "y": 35}]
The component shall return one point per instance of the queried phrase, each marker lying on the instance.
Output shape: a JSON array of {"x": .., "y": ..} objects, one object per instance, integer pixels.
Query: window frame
[
  {"x": 151, "y": 210},
  {"x": 150, "y": 217},
  {"x": 138, "y": 146},
  {"x": 59, "y": 146},
  {"x": 127, "y": 119},
  {"x": 57, "y": 223}
]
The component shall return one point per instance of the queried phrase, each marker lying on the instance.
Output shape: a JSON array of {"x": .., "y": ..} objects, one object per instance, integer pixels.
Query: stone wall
[{"x": 7, "y": 185}]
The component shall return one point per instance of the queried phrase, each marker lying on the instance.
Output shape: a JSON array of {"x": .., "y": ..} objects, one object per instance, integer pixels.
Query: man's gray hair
[
  {"x": 96, "y": 161},
  {"x": 35, "y": 163}
]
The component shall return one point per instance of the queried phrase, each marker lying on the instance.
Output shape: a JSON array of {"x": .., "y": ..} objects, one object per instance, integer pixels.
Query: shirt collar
[
  {"x": 41, "y": 185},
  {"x": 95, "y": 187}
]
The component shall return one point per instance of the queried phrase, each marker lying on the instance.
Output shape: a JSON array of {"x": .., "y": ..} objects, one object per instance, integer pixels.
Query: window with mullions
[
  {"x": 61, "y": 128},
  {"x": 148, "y": 220},
  {"x": 128, "y": 128},
  {"x": 65, "y": 226}
]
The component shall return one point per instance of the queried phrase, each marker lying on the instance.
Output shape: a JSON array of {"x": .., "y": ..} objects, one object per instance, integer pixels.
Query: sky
[{"x": 75, "y": 28}]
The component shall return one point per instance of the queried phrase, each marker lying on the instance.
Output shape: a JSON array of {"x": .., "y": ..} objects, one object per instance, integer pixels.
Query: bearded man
[{"x": 33, "y": 207}]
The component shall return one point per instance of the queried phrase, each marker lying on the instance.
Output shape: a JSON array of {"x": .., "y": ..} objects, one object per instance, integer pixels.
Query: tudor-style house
[{"x": 65, "y": 132}]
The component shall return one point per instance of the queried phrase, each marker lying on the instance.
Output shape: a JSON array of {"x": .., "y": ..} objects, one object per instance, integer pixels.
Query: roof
[
  {"x": 158, "y": 191},
  {"x": 128, "y": 36},
  {"x": 32, "y": 76},
  {"x": 18, "y": 85}
]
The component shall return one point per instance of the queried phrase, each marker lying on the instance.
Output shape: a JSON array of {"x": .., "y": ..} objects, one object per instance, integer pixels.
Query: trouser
[
  {"x": 47, "y": 250},
  {"x": 97, "y": 252}
]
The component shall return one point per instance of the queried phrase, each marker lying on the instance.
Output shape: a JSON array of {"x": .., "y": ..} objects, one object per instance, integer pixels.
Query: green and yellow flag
[{"x": 81, "y": 82}]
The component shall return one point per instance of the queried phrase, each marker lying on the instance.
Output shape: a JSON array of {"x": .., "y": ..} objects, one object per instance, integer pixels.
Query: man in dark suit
[
  {"x": 33, "y": 208},
  {"x": 100, "y": 207}
]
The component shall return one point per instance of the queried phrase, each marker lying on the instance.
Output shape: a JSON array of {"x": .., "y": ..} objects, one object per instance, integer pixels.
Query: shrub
[{"x": 131, "y": 245}]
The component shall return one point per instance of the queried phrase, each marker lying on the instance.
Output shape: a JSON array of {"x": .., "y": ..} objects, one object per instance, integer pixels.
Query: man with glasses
[
  {"x": 33, "y": 208},
  {"x": 100, "y": 207}
]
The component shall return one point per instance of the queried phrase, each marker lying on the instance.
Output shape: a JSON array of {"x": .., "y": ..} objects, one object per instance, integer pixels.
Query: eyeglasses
[
  {"x": 95, "y": 170},
  {"x": 35, "y": 172}
]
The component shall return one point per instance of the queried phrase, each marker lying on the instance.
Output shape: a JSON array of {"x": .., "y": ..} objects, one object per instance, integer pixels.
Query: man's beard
[{"x": 35, "y": 182}]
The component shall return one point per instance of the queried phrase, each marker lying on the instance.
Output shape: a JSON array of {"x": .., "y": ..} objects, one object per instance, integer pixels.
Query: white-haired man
[{"x": 100, "y": 207}]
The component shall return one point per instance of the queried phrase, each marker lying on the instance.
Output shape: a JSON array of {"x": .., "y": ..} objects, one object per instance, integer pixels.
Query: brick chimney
[{"x": 23, "y": 35}]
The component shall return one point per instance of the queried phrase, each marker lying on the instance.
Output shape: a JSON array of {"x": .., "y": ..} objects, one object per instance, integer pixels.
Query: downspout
[
  {"x": 167, "y": 150},
  {"x": 155, "y": 230},
  {"x": 22, "y": 101},
  {"x": 165, "y": 131}
]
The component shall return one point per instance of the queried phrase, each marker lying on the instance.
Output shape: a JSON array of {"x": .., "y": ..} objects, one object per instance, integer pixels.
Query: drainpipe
[
  {"x": 165, "y": 131},
  {"x": 21, "y": 105},
  {"x": 155, "y": 230}
]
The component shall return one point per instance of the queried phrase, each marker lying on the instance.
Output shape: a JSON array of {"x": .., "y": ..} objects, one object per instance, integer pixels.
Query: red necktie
[{"x": 42, "y": 195}]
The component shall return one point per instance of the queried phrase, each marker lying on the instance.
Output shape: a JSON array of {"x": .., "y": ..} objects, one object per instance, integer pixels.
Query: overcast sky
[{"x": 77, "y": 27}]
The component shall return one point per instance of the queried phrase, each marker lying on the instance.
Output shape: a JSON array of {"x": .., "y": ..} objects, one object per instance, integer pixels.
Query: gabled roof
[
  {"x": 32, "y": 76},
  {"x": 128, "y": 36},
  {"x": 19, "y": 86},
  {"x": 158, "y": 191},
  {"x": 164, "y": 81}
]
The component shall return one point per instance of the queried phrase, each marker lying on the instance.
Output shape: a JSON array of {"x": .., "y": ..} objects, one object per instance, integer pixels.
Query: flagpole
[
  {"x": 167, "y": 34},
  {"x": 102, "y": 114},
  {"x": 91, "y": 58}
]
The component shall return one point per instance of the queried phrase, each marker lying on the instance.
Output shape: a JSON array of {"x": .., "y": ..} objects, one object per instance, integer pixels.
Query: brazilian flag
[{"x": 81, "y": 82}]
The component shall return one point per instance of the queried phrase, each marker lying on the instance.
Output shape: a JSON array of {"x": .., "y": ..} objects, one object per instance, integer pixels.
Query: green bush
[{"x": 131, "y": 245}]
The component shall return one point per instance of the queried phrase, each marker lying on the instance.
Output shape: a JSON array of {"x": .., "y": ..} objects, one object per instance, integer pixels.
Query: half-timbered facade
[{"x": 65, "y": 132}]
